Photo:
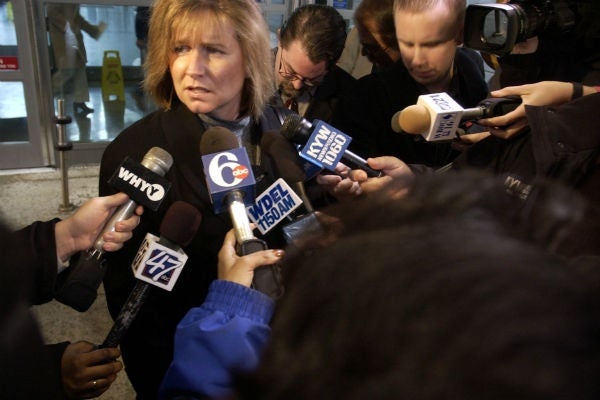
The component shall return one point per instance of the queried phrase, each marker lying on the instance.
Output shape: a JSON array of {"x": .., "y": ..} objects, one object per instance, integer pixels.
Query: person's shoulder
[
  {"x": 138, "y": 130},
  {"x": 392, "y": 78},
  {"x": 342, "y": 74},
  {"x": 466, "y": 55},
  {"x": 272, "y": 117}
]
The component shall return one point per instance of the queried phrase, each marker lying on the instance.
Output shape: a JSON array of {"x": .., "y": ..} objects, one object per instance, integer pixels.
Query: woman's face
[{"x": 207, "y": 68}]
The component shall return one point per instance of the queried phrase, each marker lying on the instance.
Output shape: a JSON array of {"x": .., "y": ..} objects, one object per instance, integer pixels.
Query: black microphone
[
  {"x": 230, "y": 182},
  {"x": 145, "y": 185},
  {"x": 324, "y": 145},
  {"x": 285, "y": 157},
  {"x": 287, "y": 163},
  {"x": 159, "y": 262}
]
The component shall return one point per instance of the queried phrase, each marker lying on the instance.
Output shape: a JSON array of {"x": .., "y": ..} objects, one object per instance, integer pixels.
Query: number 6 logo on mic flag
[{"x": 225, "y": 171}]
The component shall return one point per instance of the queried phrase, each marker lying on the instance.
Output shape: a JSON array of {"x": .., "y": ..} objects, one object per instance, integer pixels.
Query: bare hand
[
  {"x": 536, "y": 94},
  {"x": 240, "y": 269},
  {"x": 340, "y": 186},
  {"x": 79, "y": 231},
  {"x": 88, "y": 372},
  {"x": 394, "y": 171}
]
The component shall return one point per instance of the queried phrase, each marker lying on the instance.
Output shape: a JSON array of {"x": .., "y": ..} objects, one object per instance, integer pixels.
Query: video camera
[{"x": 496, "y": 28}]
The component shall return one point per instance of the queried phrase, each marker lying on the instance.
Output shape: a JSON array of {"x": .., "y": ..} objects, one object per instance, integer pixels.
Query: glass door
[{"x": 21, "y": 144}]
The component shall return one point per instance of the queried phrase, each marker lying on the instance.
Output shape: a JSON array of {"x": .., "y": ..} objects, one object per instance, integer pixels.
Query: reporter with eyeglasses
[{"x": 309, "y": 82}]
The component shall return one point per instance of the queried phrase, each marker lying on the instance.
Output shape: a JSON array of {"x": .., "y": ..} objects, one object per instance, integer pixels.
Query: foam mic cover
[
  {"x": 217, "y": 139},
  {"x": 414, "y": 119},
  {"x": 296, "y": 129},
  {"x": 180, "y": 223},
  {"x": 284, "y": 155}
]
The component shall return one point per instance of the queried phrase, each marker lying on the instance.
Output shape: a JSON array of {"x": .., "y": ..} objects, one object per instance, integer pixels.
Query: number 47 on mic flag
[{"x": 157, "y": 264}]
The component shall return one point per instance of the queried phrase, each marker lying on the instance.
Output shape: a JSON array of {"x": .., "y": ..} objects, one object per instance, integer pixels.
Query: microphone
[
  {"x": 324, "y": 145},
  {"x": 287, "y": 163},
  {"x": 144, "y": 184},
  {"x": 437, "y": 116},
  {"x": 285, "y": 157},
  {"x": 159, "y": 262},
  {"x": 230, "y": 181}
]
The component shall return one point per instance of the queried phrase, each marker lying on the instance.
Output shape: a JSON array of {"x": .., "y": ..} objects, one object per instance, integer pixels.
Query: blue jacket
[{"x": 225, "y": 334}]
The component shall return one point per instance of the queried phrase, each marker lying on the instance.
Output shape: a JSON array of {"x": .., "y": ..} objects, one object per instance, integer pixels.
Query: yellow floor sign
[{"x": 113, "y": 87}]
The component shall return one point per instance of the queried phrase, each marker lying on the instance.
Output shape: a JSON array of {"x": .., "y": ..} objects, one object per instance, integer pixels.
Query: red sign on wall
[{"x": 9, "y": 62}]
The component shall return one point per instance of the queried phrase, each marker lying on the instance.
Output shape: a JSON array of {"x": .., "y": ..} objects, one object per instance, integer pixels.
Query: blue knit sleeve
[{"x": 225, "y": 334}]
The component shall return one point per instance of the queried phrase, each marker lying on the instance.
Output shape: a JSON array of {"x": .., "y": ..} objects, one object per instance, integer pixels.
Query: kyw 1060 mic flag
[
  {"x": 324, "y": 145},
  {"x": 145, "y": 185}
]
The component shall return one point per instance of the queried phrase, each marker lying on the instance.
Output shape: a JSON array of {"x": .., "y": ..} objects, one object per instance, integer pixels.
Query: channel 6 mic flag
[{"x": 229, "y": 171}]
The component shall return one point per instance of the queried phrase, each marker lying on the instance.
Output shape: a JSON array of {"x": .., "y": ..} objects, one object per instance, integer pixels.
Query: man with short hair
[
  {"x": 429, "y": 33},
  {"x": 310, "y": 43}
]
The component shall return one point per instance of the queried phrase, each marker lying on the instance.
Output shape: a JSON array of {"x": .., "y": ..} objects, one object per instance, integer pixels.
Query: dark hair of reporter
[
  {"x": 320, "y": 28},
  {"x": 445, "y": 294}
]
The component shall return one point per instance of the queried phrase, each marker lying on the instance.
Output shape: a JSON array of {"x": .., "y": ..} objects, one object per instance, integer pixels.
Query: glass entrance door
[{"x": 19, "y": 109}]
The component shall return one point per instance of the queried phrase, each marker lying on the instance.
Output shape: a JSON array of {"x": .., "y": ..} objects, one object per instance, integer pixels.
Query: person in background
[
  {"x": 429, "y": 34},
  {"x": 32, "y": 262},
  {"x": 352, "y": 59},
  {"x": 558, "y": 140},
  {"x": 142, "y": 15},
  {"x": 374, "y": 21},
  {"x": 66, "y": 24},
  {"x": 209, "y": 64},
  {"x": 309, "y": 82}
]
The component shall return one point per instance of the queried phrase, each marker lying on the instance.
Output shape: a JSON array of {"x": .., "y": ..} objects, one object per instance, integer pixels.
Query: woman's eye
[
  {"x": 180, "y": 49},
  {"x": 214, "y": 50}
]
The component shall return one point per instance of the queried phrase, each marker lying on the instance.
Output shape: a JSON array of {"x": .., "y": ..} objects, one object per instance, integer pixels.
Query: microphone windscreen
[
  {"x": 216, "y": 139},
  {"x": 284, "y": 155},
  {"x": 295, "y": 128},
  {"x": 158, "y": 160},
  {"x": 414, "y": 119},
  {"x": 180, "y": 223},
  {"x": 291, "y": 125}
]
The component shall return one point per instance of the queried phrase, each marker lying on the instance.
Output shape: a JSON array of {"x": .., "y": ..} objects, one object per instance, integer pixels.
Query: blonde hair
[
  {"x": 251, "y": 31},
  {"x": 458, "y": 6}
]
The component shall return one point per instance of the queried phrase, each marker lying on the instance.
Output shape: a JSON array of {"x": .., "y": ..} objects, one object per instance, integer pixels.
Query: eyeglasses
[{"x": 292, "y": 76}]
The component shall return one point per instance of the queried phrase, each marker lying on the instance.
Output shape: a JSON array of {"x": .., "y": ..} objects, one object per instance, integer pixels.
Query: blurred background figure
[
  {"x": 374, "y": 21},
  {"x": 352, "y": 59},
  {"x": 142, "y": 16},
  {"x": 65, "y": 25}
]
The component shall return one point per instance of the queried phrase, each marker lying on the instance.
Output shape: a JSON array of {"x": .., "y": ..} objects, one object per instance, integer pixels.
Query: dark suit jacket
[{"x": 336, "y": 84}]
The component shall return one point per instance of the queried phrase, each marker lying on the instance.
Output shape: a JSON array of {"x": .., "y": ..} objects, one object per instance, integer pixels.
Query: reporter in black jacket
[{"x": 31, "y": 261}]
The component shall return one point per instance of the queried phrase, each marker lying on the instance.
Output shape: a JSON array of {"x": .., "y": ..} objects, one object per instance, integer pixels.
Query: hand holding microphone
[
  {"x": 240, "y": 269},
  {"x": 80, "y": 230},
  {"x": 230, "y": 181},
  {"x": 437, "y": 116},
  {"x": 144, "y": 184}
]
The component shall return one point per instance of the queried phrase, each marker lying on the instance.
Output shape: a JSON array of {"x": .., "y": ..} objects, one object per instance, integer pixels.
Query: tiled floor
[{"x": 26, "y": 196}]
